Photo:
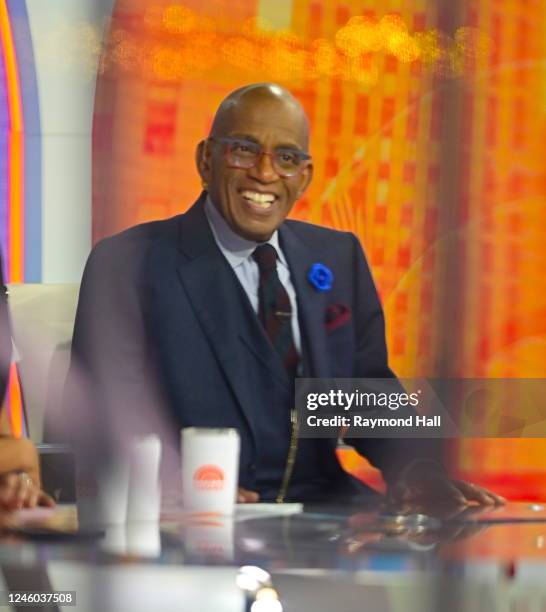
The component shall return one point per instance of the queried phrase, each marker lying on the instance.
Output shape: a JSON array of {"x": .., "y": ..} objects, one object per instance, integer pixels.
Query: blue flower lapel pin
[{"x": 321, "y": 277}]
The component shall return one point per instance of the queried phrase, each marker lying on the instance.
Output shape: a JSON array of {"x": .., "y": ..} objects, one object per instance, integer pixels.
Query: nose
[{"x": 264, "y": 171}]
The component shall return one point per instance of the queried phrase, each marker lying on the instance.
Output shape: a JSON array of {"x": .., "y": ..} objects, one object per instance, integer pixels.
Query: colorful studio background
[{"x": 428, "y": 138}]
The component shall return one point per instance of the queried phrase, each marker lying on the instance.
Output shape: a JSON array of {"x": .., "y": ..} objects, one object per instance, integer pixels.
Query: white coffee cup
[
  {"x": 126, "y": 488},
  {"x": 144, "y": 496},
  {"x": 210, "y": 469},
  {"x": 143, "y": 539}
]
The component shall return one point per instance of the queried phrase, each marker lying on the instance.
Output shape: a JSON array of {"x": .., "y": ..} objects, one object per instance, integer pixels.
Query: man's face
[{"x": 255, "y": 201}]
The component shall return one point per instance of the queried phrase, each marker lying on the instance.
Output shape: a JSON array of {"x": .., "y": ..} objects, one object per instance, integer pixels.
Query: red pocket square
[{"x": 337, "y": 315}]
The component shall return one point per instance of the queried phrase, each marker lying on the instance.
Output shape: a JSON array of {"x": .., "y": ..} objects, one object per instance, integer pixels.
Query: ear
[
  {"x": 305, "y": 179},
  {"x": 202, "y": 160}
]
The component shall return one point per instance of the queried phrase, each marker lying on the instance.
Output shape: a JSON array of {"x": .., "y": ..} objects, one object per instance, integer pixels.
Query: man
[{"x": 217, "y": 308}]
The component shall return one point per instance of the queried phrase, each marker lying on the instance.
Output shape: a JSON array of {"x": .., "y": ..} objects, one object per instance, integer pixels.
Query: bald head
[
  {"x": 250, "y": 99},
  {"x": 255, "y": 162}
]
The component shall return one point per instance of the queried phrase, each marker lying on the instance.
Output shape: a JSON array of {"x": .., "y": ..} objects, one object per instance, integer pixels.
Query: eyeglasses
[{"x": 245, "y": 154}]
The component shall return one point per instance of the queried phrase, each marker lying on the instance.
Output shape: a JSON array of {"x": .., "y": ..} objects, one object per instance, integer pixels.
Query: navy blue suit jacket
[{"x": 159, "y": 302}]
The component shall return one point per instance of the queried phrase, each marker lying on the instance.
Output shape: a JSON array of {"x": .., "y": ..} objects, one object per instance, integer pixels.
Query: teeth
[{"x": 263, "y": 200}]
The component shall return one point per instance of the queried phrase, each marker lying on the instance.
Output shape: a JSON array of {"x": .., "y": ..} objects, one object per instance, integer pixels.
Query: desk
[{"x": 327, "y": 558}]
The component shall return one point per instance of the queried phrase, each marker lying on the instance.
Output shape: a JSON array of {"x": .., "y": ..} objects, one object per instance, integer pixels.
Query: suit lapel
[
  {"x": 311, "y": 303},
  {"x": 222, "y": 307}
]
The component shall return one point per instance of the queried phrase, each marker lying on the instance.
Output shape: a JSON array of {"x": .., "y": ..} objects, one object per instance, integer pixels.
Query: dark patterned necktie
[{"x": 274, "y": 309}]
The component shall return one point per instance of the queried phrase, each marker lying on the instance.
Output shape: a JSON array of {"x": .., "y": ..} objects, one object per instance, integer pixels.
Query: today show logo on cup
[
  {"x": 208, "y": 478},
  {"x": 209, "y": 462}
]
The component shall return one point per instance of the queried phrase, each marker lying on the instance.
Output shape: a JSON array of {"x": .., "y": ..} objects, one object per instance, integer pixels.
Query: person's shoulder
[
  {"x": 136, "y": 239},
  {"x": 141, "y": 234},
  {"x": 311, "y": 232},
  {"x": 124, "y": 253}
]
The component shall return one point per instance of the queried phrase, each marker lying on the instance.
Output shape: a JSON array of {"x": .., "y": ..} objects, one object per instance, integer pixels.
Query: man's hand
[
  {"x": 247, "y": 497},
  {"x": 18, "y": 490},
  {"x": 427, "y": 483}
]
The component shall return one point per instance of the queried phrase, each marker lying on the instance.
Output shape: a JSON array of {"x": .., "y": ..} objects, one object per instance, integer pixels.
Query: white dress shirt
[{"x": 238, "y": 252}]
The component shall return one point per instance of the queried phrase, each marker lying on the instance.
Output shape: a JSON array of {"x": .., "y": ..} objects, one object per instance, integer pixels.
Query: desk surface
[{"x": 325, "y": 558}]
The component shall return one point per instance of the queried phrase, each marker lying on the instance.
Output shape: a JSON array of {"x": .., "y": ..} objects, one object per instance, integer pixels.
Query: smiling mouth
[{"x": 259, "y": 200}]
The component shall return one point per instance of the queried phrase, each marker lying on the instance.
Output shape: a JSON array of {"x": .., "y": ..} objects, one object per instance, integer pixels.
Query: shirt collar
[{"x": 235, "y": 248}]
